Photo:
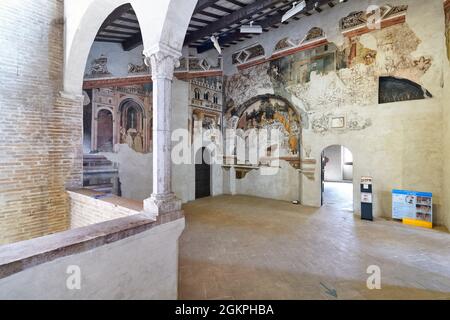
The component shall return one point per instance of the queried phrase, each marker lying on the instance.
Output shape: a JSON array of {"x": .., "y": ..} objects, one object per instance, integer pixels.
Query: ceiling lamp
[
  {"x": 251, "y": 28},
  {"x": 216, "y": 43},
  {"x": 296, "y": 8}
]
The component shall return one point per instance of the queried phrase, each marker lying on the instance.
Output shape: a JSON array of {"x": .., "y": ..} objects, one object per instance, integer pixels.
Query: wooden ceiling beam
[
  {"x": 235, "y": 17},
  {"x": 132, "y": 42}
]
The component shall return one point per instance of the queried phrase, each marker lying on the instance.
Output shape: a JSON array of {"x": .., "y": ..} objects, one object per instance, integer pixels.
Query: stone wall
[{"x": 41, "y": 129}]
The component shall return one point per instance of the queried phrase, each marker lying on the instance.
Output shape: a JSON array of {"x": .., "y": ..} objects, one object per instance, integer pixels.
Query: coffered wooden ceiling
[{"x": 222, "y": 18}]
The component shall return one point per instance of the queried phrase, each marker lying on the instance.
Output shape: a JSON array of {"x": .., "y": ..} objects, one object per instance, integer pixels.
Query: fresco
[
  {"x": 447, "y": 27},
  {"x": 118, "y": 115},
  {"x": 394, "y": 89}
]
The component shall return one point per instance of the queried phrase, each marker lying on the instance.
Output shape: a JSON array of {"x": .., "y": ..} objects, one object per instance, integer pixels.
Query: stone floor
[{"x": 249, "y": 248}]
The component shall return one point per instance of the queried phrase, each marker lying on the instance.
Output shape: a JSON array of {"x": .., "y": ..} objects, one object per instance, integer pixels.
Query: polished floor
[{"x": 239, "y": 247}]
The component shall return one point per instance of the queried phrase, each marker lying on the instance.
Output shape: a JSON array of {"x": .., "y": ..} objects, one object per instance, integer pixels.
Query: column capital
[{"x": 163, "y": 60}]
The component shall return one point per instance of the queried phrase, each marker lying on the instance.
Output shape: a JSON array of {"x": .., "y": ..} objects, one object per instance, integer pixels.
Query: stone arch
[
  {"x": 266, "y": 113},
  {"x": 163, "y": 24}
]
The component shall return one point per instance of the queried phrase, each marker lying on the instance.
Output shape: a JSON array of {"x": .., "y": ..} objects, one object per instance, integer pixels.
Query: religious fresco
[
  {"x": 447, "y": 26},
  {"x": 119, "y": 115},
  {"x": 327, "y": 77}
]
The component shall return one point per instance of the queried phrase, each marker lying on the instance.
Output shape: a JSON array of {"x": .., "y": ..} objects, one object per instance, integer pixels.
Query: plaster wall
[
  {"x": 144, "y": 266},
  {"x": 400, "y": 144}
]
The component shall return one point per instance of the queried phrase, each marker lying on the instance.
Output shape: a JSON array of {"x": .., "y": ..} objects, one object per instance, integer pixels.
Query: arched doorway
[
  {"x": 202, "y": 174},
  {"x": 337, "y": 177},
  {"x": 105, "y": 131}
]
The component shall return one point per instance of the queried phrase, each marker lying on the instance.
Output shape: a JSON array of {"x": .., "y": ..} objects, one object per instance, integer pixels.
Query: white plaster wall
[
  {"x": 144, "y": 266},
  {"x": 282, "y": 186}
]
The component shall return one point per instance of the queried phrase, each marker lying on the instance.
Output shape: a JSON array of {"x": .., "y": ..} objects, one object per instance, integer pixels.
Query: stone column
[{"x": 162, "y": 60}]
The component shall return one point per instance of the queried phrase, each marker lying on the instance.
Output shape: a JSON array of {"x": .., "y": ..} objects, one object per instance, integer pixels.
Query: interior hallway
[
  {"x": 250, "y": 248},
  {"x": 339, "y": 195}
]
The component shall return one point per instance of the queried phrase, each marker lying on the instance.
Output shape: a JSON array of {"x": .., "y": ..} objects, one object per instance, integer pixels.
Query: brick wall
[
  {"x": 40, "y": 130},
  {"x": 86, "y": 210}
]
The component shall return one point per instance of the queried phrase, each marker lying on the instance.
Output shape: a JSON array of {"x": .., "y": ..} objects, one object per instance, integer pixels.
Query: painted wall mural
[
  {"x": 447, "y": 26},
  {"x": 119, "y": 115},
  {"x": 270, "y": 112}
]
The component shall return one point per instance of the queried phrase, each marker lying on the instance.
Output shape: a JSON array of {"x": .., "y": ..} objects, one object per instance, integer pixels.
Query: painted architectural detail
[
  {"x": 313, "y": 35},
  {"x": 360, "y": 19},
  {"x": 248, "y": 54},
  {"x": 121, "y": 116},
  {"x": 99, "y": 67},
  {"x": 283, "y": 44}
]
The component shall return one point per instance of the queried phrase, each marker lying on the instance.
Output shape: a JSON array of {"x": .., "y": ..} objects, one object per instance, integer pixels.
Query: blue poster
[{"x": 413, "y": 205}]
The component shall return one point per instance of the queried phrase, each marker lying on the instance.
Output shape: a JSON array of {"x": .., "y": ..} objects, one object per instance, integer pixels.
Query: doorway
[
  {"x": 337, "y": 177},
  {"x": 105, "y": 131},
  {"x": 202, "y": 176}
]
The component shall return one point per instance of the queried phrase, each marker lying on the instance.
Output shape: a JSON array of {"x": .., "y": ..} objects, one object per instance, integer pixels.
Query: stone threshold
[{"x": 19, "y": 256}]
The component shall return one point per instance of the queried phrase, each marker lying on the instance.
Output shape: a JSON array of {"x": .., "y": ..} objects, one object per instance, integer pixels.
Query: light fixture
[
  {"x": 296, "y": 8},
  {"x": 215, "y": 41},
  {"x": 251, "y": 28}
]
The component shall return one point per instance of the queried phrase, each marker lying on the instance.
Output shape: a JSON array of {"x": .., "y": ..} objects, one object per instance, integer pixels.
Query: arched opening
[
  {"x": 337, "y": 177},
  {"x": 105, "y": 125},
  {"x": 202, "y": 174}
]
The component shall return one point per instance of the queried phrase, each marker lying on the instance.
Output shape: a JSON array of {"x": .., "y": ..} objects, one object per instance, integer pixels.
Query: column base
[{"x": 162, "y": 203}]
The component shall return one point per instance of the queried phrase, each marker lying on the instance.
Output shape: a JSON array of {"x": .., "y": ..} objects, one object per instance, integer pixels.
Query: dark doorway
[
  {"x": 202, "y": 177},
  {"x": 337, "y": 177}
]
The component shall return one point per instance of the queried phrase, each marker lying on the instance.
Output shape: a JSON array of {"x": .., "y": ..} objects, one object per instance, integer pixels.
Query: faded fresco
[
  {"x": 321, "y": 80},
  {"x": 447, "y": 27}
]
